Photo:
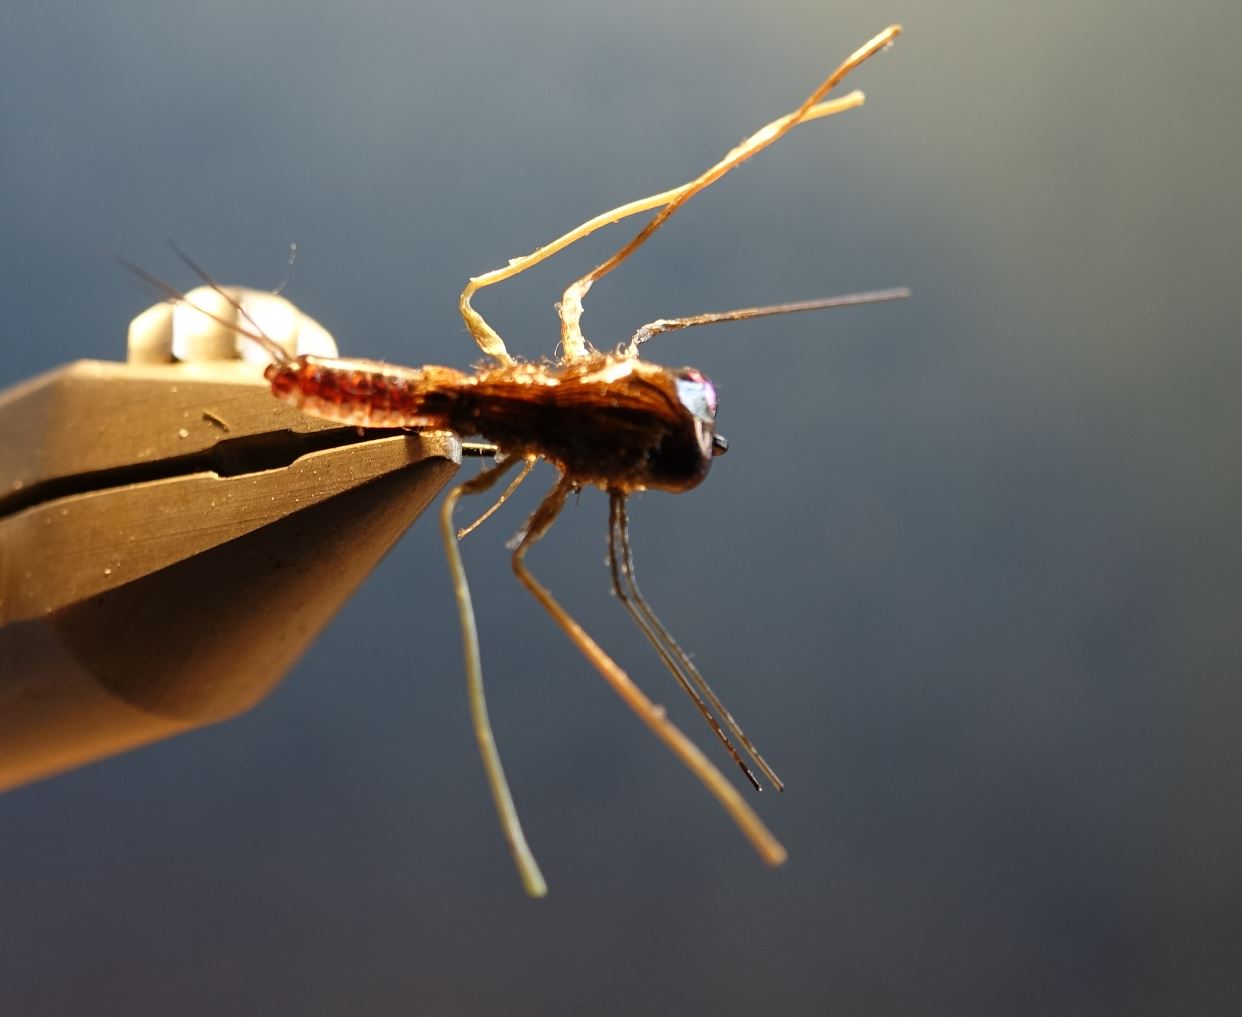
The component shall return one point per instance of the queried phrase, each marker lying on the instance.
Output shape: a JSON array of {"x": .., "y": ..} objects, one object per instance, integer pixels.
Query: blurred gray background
[{"x": 970, "y": 574}]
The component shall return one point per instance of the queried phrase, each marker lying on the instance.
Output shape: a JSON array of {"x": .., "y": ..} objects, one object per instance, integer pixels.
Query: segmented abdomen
[{"x": 367, "y": 393}]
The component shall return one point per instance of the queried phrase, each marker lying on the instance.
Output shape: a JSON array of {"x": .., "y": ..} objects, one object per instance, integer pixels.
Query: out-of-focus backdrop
[{"x": 970, "y": 573}]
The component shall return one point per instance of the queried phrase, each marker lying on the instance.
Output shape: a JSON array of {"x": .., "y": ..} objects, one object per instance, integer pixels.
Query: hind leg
[{"x": 524, "y": 859}]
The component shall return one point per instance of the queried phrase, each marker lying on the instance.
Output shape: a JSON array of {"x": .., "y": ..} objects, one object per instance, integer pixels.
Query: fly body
[{"x": 608, "y": 420}]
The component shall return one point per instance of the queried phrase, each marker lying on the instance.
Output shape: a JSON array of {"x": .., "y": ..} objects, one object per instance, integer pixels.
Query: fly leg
[
  {"x": 573, "y": 344},
  {"x": 514, "y": 484},
  {"x": 625, "y": 589},
  {"x": 528, "y": 868},
  {"x": 625, "y": 586},
  {"x": 768, "y": 847}
]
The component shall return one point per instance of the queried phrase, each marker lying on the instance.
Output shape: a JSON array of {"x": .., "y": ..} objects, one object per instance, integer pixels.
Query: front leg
[{"x": 654, "y": 716}]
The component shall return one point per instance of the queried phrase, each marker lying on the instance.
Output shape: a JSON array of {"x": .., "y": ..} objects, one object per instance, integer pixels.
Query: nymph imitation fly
[{"x": 606, "y": 420}]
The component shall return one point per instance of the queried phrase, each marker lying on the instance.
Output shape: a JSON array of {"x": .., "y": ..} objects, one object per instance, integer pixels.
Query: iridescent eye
[{"x": 697, "y": 394}]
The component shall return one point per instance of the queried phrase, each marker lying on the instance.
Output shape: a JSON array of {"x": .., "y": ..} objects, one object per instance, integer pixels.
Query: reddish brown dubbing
[{"x": 615, "y": 422}]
